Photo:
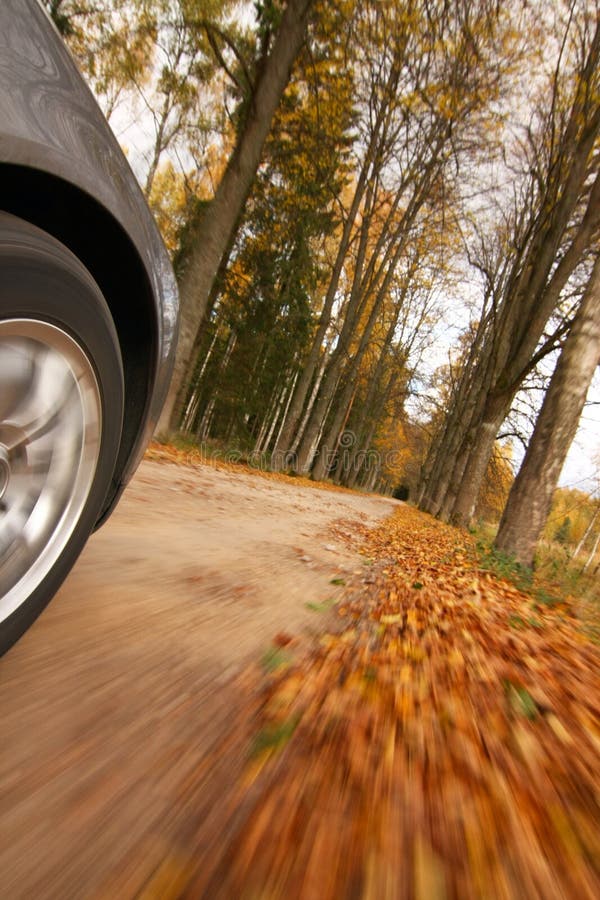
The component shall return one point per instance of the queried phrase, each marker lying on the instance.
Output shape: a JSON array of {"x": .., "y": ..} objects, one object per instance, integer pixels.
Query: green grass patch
[
  {"x": 273, "y": 738},
  {"x": 520, "y": 700},
  {"x": 504, "y": 566},
  {"x": 321, "y": 607},
  {"x": 275, "y": 658}
]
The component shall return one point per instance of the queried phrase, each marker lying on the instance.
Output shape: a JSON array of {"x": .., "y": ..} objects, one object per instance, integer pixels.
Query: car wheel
[{"x": 61, "y": 409}]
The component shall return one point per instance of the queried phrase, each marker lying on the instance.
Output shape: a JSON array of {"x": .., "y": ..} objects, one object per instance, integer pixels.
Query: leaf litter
[{"x": 435, "y": 740}]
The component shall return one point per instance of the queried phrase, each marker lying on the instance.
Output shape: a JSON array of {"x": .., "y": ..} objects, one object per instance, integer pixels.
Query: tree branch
[{"x": 212, "y": 30}]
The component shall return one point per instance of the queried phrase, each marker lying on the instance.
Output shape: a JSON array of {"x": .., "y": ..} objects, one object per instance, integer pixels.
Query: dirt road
[{"x": 113, "y": 699}]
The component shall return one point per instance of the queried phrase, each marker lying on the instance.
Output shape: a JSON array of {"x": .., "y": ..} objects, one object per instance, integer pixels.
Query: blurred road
[{"x": 118, "y": 695}]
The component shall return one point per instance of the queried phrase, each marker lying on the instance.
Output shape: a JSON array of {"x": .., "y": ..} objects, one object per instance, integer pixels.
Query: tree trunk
[
  {"x": 286, "y": 409},
  {"x": 205, "y": 423},
  {"x": 372, "y": 407},
  {"x": 438, "y": 465},
  {"x": 314, "y": 427},
  {"x": 358, "y": 304},
  {"x": 374, "y": 279},
  {"x": 465, "y": 464},
  {"x": 192, "y": 365},
  {"x": 311, "y": 402},
  {"x": 332, "y": 440},
  {"x": 159, "y": 147},
  {"x": 592, "y": 554},
  {"x": 192, "y": 406},
  {"x": 289, "y": 437},
  {"x": 461, "y": 510},
  {"x": 520, "y": 326},
  {"x": 453, "y": 488},
  {"x": 214, "y": 230},
  {"x": 586, "y": 533},
  {"x": 531, "y": 495},
  {"x": 351, "y": 372}
]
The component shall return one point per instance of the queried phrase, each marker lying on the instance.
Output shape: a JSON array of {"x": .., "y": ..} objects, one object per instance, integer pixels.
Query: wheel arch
[{"x": 96, "y": 238}]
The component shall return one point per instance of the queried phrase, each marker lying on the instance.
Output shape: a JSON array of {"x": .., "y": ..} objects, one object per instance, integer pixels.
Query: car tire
[{"x": 61, "y": 413}]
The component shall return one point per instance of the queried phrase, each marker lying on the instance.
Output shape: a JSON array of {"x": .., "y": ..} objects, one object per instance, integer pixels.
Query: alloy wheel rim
[{"x": 50, "y": 435}]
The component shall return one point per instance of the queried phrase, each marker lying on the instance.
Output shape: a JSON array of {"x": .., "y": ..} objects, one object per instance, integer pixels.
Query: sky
[{"x": 579, "y": 470}]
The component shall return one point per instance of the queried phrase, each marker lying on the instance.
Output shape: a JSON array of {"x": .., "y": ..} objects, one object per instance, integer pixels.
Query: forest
[{"x": 384, "y": 218}]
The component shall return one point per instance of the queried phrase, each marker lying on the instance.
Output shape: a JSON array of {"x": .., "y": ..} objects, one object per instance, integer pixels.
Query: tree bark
[
  {"x": 214, "y": 230},
  {"x": 461, "y": 510},
  {"x": 586, "y": 533},
  {"x": 530, "y": 498},
  {"x": 375, "y": 285},
  {"x": 383, "y": 255},
  {"x": 548, "y": 251},
  {"x": 368, "y": 173},
  {"x": 438, "y": 465},
  {"x": 372, "y": 407},
  {"x": 351, "y": 372},
  {"x": 508, "y": 358},
  {"x": 593, "y": 552}
]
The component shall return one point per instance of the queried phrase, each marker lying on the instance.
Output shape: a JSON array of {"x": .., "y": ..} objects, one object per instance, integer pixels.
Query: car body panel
[{"x": 50, "y": 121}]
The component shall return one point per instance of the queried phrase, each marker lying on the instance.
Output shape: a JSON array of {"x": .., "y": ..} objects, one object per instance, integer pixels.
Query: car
[{"x": 88, "y": 316}]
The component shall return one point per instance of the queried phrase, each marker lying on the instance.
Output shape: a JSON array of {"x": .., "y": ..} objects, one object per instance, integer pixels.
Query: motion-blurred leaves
[{"x": 439, "y": 742}]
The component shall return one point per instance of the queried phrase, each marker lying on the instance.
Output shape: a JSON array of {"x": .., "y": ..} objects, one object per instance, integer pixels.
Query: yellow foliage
[
  {"x": 396, "y": 445},
  {"x": 571, "y": 513},
  {"x": 496, "y": 485},
  {"x": 169, "y": 201},
  {"x": 173, "y": 191}
]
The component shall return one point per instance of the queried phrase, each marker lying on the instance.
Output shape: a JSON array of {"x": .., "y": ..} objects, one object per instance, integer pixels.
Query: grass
[
  {"x": 274, "y": 737},
  {"x": 556, "y": 580},
  {"x": 520, "y": 701},
  {"x": 275, "y": 658},
  {"x": 321, "y": 607},
  {"x": 503, "y": 565}
]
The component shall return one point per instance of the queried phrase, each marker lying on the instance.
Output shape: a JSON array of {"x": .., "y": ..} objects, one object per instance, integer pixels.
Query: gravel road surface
[{"x": 126, "y": 684}]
